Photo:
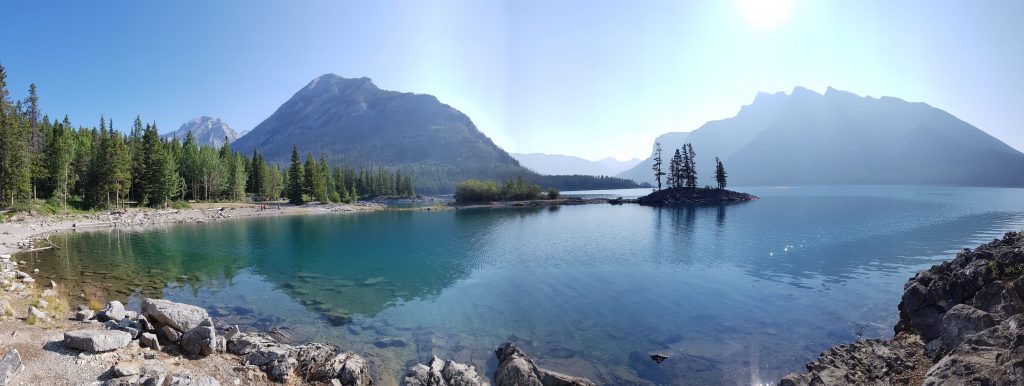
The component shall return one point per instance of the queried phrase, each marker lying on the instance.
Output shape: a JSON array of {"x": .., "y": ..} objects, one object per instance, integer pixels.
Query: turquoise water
[{"x": 737, "y": 294}]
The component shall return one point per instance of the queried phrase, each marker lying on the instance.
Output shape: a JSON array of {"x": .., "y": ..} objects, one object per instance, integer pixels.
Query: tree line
[
  {"x": 683, "y": 169},
  {"x": 514, "y": 189},
  {"x": 99, "y": 167}
]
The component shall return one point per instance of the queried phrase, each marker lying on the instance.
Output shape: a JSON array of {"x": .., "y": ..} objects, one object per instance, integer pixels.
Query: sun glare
[{"x": 765, "y": 13}]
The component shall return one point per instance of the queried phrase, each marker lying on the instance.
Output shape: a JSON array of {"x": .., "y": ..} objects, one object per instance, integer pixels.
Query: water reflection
[{"x": 740, "y": 292}]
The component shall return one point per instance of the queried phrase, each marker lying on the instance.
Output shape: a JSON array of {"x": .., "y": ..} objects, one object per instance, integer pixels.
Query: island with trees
[{"x": 681, "y": 183}]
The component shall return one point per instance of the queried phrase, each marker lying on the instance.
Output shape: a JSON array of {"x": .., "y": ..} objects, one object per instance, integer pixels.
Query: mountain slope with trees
[{"x": 352, "y": 122}]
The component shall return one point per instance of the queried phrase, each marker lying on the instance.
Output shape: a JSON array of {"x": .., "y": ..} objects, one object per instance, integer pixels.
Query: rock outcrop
[
  {"x": 314, "y": 362},
  {"x": 515, "y": 368},
  {"x": 961, "y": 322},
  {"x": 443, "y": 373}
]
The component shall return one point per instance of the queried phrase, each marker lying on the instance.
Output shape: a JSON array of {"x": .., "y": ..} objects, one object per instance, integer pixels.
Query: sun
[{"x": 765, "y": 13}]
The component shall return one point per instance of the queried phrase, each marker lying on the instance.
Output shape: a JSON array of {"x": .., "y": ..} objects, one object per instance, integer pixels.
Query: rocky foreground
[
  {"x": 961, "y": 323},
  {"x": 693, "y": 196},
  {"x": 170, "y": 343}
]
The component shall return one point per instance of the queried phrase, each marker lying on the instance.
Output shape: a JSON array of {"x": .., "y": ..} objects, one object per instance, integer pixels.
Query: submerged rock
[
  {"x": 96, "y": 340},
  {"x": 515, "y": 368},
  {"x": 443, "y": 373}
]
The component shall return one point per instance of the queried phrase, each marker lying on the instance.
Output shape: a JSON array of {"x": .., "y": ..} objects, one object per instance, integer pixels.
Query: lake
[{"x": 738, "y": 294}]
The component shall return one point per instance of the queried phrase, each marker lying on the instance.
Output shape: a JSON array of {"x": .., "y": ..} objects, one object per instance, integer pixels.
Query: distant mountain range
[
  {"x": 206, "y": 131},
  {"x": 557, "y": 164},
  {"x": 840, "y": 138},
  {"x": 355, "y": 123}
]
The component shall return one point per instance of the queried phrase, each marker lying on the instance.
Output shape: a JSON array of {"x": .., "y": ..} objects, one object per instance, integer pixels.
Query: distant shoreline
[{"x": 21, "y": 235}]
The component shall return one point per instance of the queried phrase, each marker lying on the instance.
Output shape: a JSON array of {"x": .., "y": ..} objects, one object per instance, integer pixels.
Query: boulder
[
  {"x": 96, "y": 340},
  {"x": 170, "y": 334},
  {"x": 84, "y": 314},
  {"x": 960, "y": 322},
  {"x": 515, "y": 368},
  {"x": 443, "y": 373},
  {"x": 200, "y": 340},
  {"x": 317, "y": 362},
  {"x": 994, "y": 356},
  {"x": 149, "y": 340},
  {"x": 10, "y": 366},
  {"x": 181, "y": 317},
  {"x": 113, "y": 311},
  {"x": 35, "y": 313},
  {"x": 48, "y": 293}
]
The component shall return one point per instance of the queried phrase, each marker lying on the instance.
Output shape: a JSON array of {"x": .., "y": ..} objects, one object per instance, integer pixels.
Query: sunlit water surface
[{"x": 736, "y": 294}]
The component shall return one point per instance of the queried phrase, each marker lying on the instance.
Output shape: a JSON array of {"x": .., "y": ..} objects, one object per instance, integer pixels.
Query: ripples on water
[{"x": 736, "y": 294}]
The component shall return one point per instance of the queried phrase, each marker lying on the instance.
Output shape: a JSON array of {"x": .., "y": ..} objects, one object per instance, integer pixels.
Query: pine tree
[
  {"x": 158, "y": 183},
  {"x": 37, "y": 141},
  {"x": 309, "y": 176},
  {"x": 676, "y": 167},
  {"x": 120, "y": 176},
  {"x": 59, "y": 155},
  {"x": 138, "y": 160},
  {"x": 689, "y": 166},
  {"x": 15, "y": 155},
  {"x": 657, "y": 164},
  {"x": 323, "y": 178},
  {"x": 295, "y": 176},
  {"x": 189, "y": 166},
  {"x": 720, "y": 173}
]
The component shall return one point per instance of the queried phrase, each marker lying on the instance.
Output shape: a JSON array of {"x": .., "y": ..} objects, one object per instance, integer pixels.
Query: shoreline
[{"x": 20, "y": 235}]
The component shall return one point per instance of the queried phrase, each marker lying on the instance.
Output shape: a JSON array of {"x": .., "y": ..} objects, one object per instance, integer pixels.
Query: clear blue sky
[{"x": 584, "y": 78}]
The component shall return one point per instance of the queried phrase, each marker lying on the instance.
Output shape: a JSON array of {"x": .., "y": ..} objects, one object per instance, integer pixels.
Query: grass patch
[{"x": 95, "y": 304}]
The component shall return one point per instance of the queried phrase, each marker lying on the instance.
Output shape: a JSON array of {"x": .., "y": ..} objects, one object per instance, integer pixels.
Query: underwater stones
[
  {"x": 337, "y": 318},
  {"x": 389, "y": 342}
]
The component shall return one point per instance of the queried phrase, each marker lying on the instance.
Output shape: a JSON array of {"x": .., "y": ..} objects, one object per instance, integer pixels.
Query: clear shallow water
[{"x": 738, "y": 294}]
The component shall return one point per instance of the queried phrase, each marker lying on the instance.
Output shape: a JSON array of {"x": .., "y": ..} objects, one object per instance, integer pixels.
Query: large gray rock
[
  {"x": 170, "y": 334},
  {"x": 515, "y": 368},
  {"x": 200, "y": 340},
  {"x": 96, "y": 340},
  {"x": 443, "y": 373},
  {"x": 10, "y": 365},
  {"x": 149, "y": 340},
  {"x": 317, "y": 362},
  {"x": 960, "y": 322},
  {"x": 113, "y": 311},
  {"x": 181, "y": 317},
  {"x": 994, "y": 356}
]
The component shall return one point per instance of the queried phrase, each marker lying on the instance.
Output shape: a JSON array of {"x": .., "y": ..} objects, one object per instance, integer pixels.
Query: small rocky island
[
  {"x": 961, "y": 323},
  {"x": 681, "y": 196}
]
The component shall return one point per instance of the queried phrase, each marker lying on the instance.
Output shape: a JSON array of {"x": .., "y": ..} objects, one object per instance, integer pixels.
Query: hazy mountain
[
  {"x": 554, "y": 164},
  {"x": 352, "y": 122},
  {"x": 838, "y": 137},
  {"x": 206, "y": 130},
  {"x": 616, "y": 166}
]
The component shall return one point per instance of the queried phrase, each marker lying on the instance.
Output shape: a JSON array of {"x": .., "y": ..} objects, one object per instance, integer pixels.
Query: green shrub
[{"x": 554, "y": 193}]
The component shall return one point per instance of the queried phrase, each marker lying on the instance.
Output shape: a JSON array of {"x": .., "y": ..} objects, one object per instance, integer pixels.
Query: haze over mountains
[
  {"x": 555, "y": 164},
  {"x": 206, "y": 131},
  {"x": 841, "y": 138}
]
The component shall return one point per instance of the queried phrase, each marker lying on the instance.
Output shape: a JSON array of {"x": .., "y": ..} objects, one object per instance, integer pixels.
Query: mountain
[
  {"x": 206, "y": 130},
  {"x": 616, "y": 166},
  {"x": 354, "y": 123},
  {"x": 840, "y": 138},
  {"x": 555, "y": 164}
]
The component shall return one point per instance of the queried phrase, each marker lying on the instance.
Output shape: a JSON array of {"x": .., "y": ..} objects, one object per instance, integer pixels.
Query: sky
[{"x": 583, "y": 78}]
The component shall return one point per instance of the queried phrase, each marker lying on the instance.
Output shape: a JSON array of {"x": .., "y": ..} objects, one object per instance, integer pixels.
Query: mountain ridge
[
  {"x": 841, "y": 138},
  {"x": 206, "y": 130}
]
